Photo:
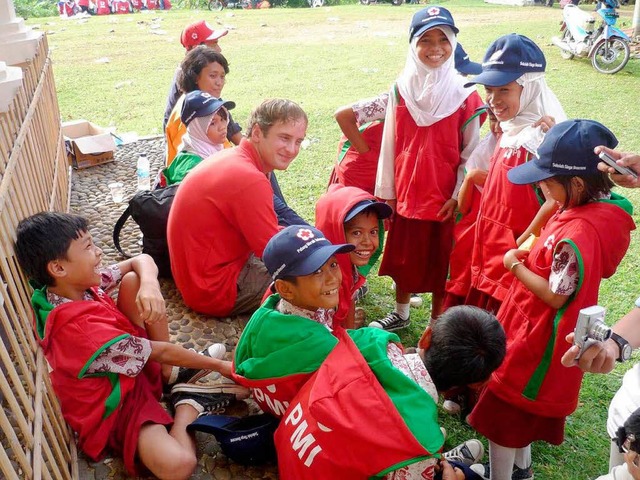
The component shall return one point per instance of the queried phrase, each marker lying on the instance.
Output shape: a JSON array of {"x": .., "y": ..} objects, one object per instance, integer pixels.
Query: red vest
[
  {"x": 460, "y": 260},
  {"x": 74, "y": 333},
  {"x": 359, "y": 169},
  {"x": 506, "y": 210},
  {"x": 121, "y": 6},
  {"x": 427, "y": 159},
  {"x": 103, "y": 7},
  {"x": 344, "y": 426},
  {"x": 531, "y": 376},
  {"x": 331, "y": 210},
  {"x": 152, "y": 4},
  {"x": 137, "y": 4}
]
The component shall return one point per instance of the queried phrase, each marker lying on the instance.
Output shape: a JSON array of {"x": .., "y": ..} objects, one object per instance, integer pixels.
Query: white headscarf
[
  {"x": 432, "y": 94},
  {"x": 536, "y": 100},
  {"x": 196, "y": 140}
]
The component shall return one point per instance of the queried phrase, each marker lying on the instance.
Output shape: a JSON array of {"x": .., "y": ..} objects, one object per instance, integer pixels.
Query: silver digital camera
[{"x": 590, "y": 328}]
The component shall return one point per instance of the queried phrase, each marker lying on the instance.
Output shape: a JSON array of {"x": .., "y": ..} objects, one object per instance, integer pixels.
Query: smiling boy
[
  {"x": 223, "y": 214},
  {"x": 351, "y": 215},
  {"x": 107, "y": 361}
]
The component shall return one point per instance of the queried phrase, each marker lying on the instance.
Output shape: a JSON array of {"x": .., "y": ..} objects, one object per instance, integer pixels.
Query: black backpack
[{"x": 150, "y": 210}]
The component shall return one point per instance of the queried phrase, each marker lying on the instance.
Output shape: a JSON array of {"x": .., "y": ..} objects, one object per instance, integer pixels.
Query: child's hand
[
  {"x": 546, "y": 122},
  {"x": 448, "y": 472},
  {"x": 633, "y": 461},
  {"x": 150, "y": 302},
  {"x": 514, "y": 255},
  {"x": 448, "y": 210}
]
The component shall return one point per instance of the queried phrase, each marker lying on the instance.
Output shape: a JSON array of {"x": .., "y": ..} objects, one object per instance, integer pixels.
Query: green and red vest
[
  {"x": 531, "y": 376},
  {"x": 358, "y": 416}
]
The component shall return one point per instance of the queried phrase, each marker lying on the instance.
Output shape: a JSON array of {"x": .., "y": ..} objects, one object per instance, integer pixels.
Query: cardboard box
[{"x": 87, "y": 144}]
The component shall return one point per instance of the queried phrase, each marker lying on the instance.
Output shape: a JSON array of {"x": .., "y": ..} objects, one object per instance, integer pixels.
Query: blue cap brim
[
  {"x": 470, "y": 68},
  {"x": 494, "y": 78},
  {"x": 433, "y": 24},
  {"x": 527, "y": 173},
  {"x": 318, "y": 258},
  {"x": 211, "y": 424},
  {"x": 382, "y": 209}
]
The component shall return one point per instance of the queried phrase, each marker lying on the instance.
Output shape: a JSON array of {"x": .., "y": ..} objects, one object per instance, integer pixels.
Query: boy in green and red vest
[
  {"x": 291, "y": 343},
  {"x": 108, "y": 361}
]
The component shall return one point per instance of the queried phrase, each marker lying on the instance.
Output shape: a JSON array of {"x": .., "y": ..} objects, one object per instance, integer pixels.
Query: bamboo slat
[{"x": 35, "y": 441}]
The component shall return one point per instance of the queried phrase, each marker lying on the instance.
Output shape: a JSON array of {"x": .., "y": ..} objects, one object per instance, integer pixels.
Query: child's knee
[
  {"x": 130, "y": 283},
  {"x": 184, "y": 465}
]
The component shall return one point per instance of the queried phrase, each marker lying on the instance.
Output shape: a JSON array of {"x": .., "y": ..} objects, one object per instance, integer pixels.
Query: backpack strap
[{"x": 118, "y": 227}]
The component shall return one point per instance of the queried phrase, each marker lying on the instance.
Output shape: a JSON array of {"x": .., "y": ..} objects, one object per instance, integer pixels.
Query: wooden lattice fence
[{"x": 34, "y": 176}]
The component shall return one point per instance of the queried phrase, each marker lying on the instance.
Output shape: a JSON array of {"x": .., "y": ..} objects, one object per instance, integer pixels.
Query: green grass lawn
[{"x": 324, "y": 58}]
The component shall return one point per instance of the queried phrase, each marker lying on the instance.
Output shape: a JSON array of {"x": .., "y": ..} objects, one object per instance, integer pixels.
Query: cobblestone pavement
[{"x": 90, "y": 197}]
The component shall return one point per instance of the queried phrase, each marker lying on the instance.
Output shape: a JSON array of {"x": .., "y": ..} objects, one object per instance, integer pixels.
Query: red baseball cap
[{"x": 199, "y": 32}]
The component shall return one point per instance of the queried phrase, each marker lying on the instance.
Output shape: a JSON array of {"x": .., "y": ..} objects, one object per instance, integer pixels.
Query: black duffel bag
[{"x": 150, "y": 210}]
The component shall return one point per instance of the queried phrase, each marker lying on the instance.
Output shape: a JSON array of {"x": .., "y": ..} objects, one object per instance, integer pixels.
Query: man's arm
[{"x": 601, "y": 357}]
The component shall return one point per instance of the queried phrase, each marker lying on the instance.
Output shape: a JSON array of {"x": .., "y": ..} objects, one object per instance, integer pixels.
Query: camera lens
[{"x": 599, "y": 331}]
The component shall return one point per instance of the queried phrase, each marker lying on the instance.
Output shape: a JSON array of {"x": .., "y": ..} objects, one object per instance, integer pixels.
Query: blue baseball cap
[
  {"x": 201, "y": 104},
  {"x": 299, "y": 250},
  {"x": 428, "y": 18},
  {"x": 507, "y": 59},
  {"x": 567, "y": 149},
  {"x": 382, "y": 209},
  {"x": 245, "y": 440},
  {"x": 463, "y": 64}
]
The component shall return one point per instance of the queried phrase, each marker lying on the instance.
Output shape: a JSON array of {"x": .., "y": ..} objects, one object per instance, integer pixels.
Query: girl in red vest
[
  {"x": 531, "y": 393},
  {"x": 421, "y": 165},
  {"x": 513, "y": 76}
]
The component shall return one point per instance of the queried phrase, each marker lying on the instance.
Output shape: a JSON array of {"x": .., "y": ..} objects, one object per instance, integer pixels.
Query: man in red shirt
[{"x": 223, "y": 216}]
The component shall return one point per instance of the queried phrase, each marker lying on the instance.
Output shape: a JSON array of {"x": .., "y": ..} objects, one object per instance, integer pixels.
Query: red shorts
[
  {"x": 139, "y": 407},
  {"x": 416, "y": 254}
]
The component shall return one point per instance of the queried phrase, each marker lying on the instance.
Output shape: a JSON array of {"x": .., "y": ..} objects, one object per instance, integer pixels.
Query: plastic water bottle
[{"x": 142, "y": 173}]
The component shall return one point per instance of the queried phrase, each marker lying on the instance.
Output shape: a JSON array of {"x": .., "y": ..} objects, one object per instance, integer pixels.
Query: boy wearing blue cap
[
  {"x": 516, "y": 91},
  {"x": 290, "y": 336},
  {"x": 581, "y": 244},
  {"x": 206, "y": 118}
]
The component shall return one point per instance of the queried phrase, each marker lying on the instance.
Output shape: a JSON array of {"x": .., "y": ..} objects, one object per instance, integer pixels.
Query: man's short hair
[
  {"x": 467, "y": 345},
  {"x": 193, "y": 64},
  {"x": 44, "y": 237},
  {"x": 273, "y": 111}
]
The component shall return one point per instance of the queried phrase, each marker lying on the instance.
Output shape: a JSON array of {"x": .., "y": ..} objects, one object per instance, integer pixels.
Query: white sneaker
[
  {"x": 415, "y": 301},
  {"x": 468, "y": 453},
  {"x": 451, "y": 407}
]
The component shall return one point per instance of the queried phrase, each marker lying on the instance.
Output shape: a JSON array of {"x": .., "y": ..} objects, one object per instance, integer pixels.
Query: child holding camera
[{"x": 581, "y": 244}]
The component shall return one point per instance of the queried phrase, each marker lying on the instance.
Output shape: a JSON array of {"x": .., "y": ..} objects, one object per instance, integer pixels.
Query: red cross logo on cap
[
  {"x": 433, "y": 11},
  {"x": 194, "y": 35},
  {"x": 305, "y": 234}
]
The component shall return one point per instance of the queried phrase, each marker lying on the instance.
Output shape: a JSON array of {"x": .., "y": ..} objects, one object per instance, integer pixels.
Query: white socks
[
  {"x": 502, "y": 460},
  {"x": 402, "y": 309}
]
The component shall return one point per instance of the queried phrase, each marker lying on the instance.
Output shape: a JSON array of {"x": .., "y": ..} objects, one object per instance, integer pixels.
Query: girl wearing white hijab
[
  {"x": 206, "y": 118},
  {"x": 517, "y": 93},
  {"x": 429, "y": 131}
]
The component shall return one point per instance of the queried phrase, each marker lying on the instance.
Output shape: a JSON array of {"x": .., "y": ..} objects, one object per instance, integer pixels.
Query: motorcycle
[{"x": 607, "y": 45}]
